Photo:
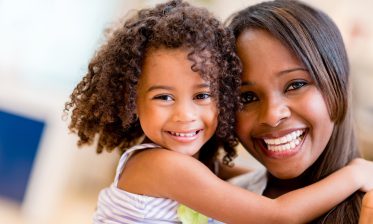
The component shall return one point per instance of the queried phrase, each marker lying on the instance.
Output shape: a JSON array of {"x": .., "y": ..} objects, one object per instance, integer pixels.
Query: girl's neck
[{"x": 277, "y": 187}]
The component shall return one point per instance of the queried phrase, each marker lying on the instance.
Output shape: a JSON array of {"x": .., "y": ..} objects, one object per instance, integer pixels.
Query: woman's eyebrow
[
  {"x": 286, "y": 71},
  {"x": 283, "y": 72}
]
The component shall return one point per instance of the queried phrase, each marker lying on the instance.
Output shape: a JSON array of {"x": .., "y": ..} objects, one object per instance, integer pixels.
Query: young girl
[
  {"x": 168, "y": 78},
  {"x": 295, "y": 82}
]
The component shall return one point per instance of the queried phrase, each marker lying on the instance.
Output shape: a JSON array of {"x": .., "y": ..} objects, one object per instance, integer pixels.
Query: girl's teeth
[{"x": 191, "y": 134}]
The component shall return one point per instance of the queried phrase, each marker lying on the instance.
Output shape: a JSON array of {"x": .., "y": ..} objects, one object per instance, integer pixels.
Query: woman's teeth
[
  {"x": 184, "y": 134},
  {"x": 287, "y": 142}
]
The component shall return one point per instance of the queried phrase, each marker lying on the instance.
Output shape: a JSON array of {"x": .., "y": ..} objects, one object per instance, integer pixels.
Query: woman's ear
[{"x": 366, "y": 214}]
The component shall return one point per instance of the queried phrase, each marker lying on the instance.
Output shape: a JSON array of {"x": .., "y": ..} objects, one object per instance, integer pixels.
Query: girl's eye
[
  {"x": 202, "y": 96},
  {"x": 296, "y": 85},
  {"x": 163, "y": 97},
  {"x": 248, "y": 97}
]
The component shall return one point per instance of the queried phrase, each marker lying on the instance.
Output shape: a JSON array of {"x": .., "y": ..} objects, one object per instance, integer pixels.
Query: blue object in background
[{"x": 19, "y": 141}]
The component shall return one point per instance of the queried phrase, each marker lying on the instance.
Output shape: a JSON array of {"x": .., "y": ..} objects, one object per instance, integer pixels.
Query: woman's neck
[{"x": 277, "y": 187}]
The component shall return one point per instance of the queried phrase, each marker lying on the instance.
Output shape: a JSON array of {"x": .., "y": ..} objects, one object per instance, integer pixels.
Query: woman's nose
[{"x": 274, "y": 111}]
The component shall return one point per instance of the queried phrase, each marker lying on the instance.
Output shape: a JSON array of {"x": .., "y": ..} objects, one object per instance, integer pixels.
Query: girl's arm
[
  {"x": 227, "y": 172},
  {"x": 184, "y": 179}
]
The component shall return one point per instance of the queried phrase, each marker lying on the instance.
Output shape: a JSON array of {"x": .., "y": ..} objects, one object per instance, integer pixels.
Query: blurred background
[{"x": 45, "y": 46}]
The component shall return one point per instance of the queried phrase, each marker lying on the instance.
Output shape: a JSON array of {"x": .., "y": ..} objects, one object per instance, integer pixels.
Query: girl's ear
[
  {"x": 136, "y": 117},
  {"x": 135, "y": 113}
]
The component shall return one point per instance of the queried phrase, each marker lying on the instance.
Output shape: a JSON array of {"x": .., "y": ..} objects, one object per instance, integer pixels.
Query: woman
[{"x": 296, "y": 116}]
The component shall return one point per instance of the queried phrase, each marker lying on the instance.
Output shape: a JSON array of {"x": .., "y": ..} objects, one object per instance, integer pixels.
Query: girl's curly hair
[{"x": 103, "y": 103}]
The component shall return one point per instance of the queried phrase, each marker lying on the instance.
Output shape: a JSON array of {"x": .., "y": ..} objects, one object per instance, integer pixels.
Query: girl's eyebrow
[
  {"x": 163, "y": 87},
  {"x": 203, "y": 85},
  {"x": 155, "y": 87}
]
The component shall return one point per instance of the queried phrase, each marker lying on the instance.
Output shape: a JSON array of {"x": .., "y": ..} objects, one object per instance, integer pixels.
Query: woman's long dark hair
[{"x": 316, "y": 41}]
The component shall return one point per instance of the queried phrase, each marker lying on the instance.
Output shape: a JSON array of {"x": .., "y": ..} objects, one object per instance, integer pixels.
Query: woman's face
[{"x": 285, "y": 122}]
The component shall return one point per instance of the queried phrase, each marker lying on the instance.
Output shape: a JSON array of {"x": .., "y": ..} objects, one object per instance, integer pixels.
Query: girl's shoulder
[
  {"x": 149, "y": 171},
  {"x": 163, "y": 162}
]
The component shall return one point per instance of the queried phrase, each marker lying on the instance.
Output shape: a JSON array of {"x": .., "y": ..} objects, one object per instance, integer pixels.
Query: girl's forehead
[{"x": 200, "y": 59}]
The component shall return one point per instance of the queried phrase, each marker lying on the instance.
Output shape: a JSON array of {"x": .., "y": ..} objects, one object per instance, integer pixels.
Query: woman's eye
[
  {"x": 296, "y": 85},
  {"x": 202, "y": 96},
  {"x": 163, "y": 97},
  {"x": 248, "y": 97}
]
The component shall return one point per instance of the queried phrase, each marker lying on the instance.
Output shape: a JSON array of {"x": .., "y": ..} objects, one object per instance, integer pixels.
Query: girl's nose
[
  {"x": 184, "y": 111},
  {"x": 274, "y": 112}
]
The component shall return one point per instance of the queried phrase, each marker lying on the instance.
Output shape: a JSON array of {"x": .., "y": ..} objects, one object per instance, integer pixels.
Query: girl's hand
[
  {"x": 364, "y": 172},
  {"x": 366, "y": 214}
]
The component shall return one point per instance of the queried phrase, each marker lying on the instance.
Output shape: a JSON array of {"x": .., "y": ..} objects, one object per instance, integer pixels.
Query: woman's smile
[
  {"x": 282, "y": 146},
  {"x": 284, "y": 122}
]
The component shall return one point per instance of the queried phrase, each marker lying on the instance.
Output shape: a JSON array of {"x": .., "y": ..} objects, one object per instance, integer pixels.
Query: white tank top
[{"x": 119, "y": 206}]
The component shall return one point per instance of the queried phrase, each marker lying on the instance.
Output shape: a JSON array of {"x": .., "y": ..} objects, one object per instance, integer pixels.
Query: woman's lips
[{"x": 284, "y": 146}]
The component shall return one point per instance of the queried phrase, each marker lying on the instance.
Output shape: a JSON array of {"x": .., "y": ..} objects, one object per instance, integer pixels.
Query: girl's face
[
  {"x": 284, "y": 123},
  {"x": 174, "y": 104}
]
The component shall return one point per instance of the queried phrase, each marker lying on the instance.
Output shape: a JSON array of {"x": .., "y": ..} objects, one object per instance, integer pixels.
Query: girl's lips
[{"x": 282, "y": 150}]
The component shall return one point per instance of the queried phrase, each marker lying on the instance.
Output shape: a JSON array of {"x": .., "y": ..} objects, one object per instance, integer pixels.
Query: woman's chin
[{"x": 286, "y": 175}]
